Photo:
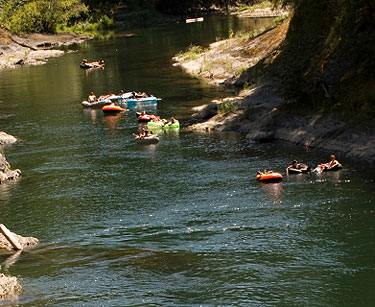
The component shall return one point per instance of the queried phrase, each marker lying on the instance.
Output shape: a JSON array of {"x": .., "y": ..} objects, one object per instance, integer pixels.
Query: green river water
[{"x": 180, "y": 223}]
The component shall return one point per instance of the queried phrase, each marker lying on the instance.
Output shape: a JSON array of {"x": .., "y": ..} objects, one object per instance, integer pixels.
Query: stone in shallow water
[{"x": 9, "y": 287}]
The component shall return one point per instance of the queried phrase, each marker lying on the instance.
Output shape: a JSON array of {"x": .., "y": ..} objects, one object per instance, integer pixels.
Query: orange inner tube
[
  {"x": 112, "y": 108},
  {"x": 269, "y": 176}
]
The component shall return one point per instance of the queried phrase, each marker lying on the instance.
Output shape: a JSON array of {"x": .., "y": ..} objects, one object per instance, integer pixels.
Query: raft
[
  {"x": 190, "y": 20},
  {"x": 296, "y": 171},
  {"x": 320, "y": 169},
  {"x": 303, "y": 170},
  {"x": 269, "y": 177},
  {"x": 96, "y": 104},
  {"x": 126, "y": 95},
  {"x": 151, "y": 99},
  {"x": 112, "y": 108},
  {"x": 91, "y": 65}
]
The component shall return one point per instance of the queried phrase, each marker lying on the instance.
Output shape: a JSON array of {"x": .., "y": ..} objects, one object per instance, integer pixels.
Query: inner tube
[
  {"x": 155, "y": 125},
  {"x": 96, "y": 104},
  {"x": 269, "y": 177},
  {"x": 112, "y": 108},
  {"x": 175, "y": 125},
  {"x": 299, "y": 170},
  {"x": 335, "y": 168}
]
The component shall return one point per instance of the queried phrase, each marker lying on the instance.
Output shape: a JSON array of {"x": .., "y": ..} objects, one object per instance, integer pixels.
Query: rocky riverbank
[
  {"x": 261, "y": 113},
  {"x": 9, "y": 286},
  {"x": 33, "y": 49},
  {"x": 6, "y": 173}
]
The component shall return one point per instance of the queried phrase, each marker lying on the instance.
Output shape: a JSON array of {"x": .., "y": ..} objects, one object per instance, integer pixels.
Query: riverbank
[
  {"x": 260, "y": 112},
  {"x": 9, "y": 286},
  {"x": 33, "y": 49}
]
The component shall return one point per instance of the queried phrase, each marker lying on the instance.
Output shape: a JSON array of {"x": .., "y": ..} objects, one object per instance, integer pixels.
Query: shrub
[
  {"x": 40, "y": 15},
  {"x": 227, "y": 107}
]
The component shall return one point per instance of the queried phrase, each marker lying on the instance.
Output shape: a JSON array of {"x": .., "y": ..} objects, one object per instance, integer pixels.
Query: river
[{"x": 183, "y": 222}]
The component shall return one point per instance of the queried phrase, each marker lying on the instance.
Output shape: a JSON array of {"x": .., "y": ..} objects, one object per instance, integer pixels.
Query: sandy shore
[{"x": 33, "y": 49}]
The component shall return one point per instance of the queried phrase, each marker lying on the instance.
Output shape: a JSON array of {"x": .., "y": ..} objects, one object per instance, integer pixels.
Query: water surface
[{"x": 180, "y": 223}]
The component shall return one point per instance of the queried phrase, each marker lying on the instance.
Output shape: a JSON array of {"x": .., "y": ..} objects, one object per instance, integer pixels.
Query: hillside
[{"x": 310, "y": 81}]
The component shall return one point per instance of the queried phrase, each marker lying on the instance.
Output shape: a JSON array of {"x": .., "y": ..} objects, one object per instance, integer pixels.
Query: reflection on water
[
  {"x": 112, "y": 120},
  {"x": 273, "y": 190},
  {"x": 10, "y": 260},
  {"x": 331, "y": 175}
]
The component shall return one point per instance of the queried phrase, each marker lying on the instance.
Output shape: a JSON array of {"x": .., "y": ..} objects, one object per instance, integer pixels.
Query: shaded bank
[
  {"x": 262, "y": 115},
  {"x": 263, "y": 111}
]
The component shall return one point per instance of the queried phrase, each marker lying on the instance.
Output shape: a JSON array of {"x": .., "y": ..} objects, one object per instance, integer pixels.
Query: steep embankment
[{"x": 309, "y": 77}]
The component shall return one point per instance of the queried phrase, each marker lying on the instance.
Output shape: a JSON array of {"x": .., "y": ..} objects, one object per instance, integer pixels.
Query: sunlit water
[{"x": 182, "y": 222}]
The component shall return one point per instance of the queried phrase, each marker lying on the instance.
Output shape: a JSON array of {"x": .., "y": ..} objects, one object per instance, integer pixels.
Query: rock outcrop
[
  {"x": 5, "y": 172},
  {"x": 9, "y": 287},
  {"x": 23, "y": 241},
  {"x": 262, "y": 115}
]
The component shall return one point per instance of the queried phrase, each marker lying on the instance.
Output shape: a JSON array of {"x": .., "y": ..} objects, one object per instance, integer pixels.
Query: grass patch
[
  {"x": 100, "y": 28},
  {"x": 191, "y": 53},
  {"x": 262, "y": 5},
  {"x": 280, "y": 19}
]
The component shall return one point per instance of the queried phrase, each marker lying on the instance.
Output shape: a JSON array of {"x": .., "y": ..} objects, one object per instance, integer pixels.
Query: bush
[
  {"x": 40, "y": 15},
  {"x": 227, "y": 107}
]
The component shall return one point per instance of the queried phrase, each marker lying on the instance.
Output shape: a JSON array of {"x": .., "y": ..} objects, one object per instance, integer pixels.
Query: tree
[{"x": 40, "y": 15}]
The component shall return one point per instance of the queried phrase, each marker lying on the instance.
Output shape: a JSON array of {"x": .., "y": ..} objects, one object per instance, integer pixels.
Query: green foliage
[
  {"x": 227, "y": 107},
  {"x": 98, "y": 28},
  {"x": 280, "y": 19},
  {"x": 231, "y": 33},
  {"x": 325, "y": 62},
  {"x": 39, "y": 15},
  {"x": 191, "y": 53},
  {"x": 261, "y": 5}
]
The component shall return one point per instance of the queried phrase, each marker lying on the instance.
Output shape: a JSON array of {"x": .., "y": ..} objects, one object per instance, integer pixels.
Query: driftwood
[{"x": 9, "y": 236}]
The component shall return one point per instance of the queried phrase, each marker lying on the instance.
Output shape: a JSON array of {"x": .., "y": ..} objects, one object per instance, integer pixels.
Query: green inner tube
[
  {"x": 174, "y": 125},
  {"x": 153, "y": 125}
]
